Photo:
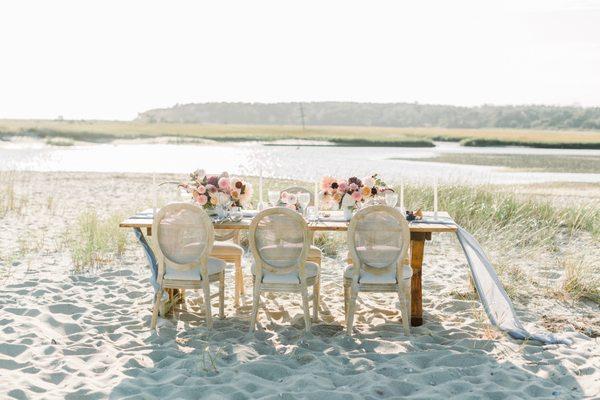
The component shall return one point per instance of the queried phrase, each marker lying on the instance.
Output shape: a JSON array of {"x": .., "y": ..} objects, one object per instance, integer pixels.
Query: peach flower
[
  {"x": 366, "y": 191},
  {"x": 327, "y": 181},
  {"x": 201, "y": 189}
]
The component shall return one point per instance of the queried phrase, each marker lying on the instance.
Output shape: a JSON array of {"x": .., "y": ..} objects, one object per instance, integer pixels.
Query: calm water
[{"x": 277, "y": 161}]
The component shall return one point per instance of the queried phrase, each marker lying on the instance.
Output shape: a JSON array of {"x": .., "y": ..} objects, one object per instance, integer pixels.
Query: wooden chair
[
  {"x": 378, "y": 240},
  {"x": 231, "y": 252},
  {"x": 314, "y": 253},
  {"x": 182, "y": 241},
  {"x": 279, "y": 240}
]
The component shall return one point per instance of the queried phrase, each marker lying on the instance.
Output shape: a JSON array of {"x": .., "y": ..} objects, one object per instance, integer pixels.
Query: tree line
[{"x": 381, "y": 114}]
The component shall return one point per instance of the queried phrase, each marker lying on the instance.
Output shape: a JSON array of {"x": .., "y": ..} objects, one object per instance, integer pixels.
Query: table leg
[{"x": 417, "y": 246}]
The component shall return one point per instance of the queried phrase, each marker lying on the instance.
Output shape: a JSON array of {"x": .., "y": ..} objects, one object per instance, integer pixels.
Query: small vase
[
  {"x": 347, "y": 213},
  {"x": 221, "y": 211}
]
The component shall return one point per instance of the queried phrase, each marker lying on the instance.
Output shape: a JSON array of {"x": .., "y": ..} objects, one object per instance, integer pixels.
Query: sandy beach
[{"x": 86, "y": 335}]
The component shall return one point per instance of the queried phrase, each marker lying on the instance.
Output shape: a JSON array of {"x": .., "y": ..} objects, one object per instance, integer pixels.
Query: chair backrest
[
  {"x": 183, "y": 236},
  {"x": 378, "y": 239},
  {"x": 298, "y": 189},
  {"x": 279, "y": 241}
]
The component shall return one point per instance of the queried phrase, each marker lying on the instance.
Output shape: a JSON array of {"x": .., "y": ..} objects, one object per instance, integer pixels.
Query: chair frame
[
  {"x": 201, "y": 263},
  {"x": 300, "y": 189},
  {"x": 403, "y": 286},
  {"x": 261, "y": 264}
]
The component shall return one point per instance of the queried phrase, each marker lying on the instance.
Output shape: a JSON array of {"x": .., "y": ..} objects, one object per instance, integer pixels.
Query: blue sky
[{"x": 113, "y": 59}]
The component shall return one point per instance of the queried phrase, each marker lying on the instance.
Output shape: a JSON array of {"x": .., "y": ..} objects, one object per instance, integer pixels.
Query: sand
[{"x": 87, "y": 335}]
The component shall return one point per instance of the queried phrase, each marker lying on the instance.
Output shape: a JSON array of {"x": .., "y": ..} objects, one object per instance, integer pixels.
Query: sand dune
[{"x": 66, "y": 335}]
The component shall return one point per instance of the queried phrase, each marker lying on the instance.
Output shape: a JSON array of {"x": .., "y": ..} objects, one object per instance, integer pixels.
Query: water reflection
[{"x": 277, "y": 161}]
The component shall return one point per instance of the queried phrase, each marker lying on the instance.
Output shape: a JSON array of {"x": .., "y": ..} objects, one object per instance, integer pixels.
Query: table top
[{"x": 332, "y": 222}]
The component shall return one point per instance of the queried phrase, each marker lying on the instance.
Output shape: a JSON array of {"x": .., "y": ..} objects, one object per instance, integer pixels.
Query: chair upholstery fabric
[{"x": 311, "y": 269}]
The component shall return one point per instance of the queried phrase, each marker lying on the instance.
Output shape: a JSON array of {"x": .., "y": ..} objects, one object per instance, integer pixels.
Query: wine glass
[
  {"x": 274, "y": 196},
  {"x": 303, "y": 200},
  {"x": 312, "y": 213},
  {"x": 235, "y": 214},
  {"x": 391, "y": 198}
]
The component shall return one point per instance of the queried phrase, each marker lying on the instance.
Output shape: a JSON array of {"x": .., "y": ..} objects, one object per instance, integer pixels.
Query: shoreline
[{"x": 359, "y": 136}]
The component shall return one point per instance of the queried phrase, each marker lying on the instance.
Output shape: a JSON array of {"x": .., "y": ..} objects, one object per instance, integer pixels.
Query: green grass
[
  {"x": 582, "y": 278},
  {"x": 94, "y": 241},
  {"x": 527, "y": 162},
  {"x": 59, "y": 141},
  {"x": 103, "y": 131},
  {"x": 503, "y": 217},
  {"x": 485, "y": 142}
]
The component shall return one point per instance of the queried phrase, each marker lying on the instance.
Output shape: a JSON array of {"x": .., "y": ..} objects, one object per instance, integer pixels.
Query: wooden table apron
[{"x": 419, "y": 233}]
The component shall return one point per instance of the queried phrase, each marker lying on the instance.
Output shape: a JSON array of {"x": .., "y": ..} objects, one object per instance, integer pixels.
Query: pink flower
[
  {"x": 211, "y": 188},
  {"x": 284, "y": 196},
  {"x": 202, "y": 199},
  {"x": 224, "y": 183},
  {"x": 342, "y": 186},
  {"x": 201, "y": 189},
  {"x": 291, "y": 199},
  {"x": 356, "y": 195},
  {"x": 353, "y": 187}
]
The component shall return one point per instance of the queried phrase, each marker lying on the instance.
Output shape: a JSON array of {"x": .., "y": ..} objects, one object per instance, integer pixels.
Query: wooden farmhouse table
[{"x": 419, "y": 233}]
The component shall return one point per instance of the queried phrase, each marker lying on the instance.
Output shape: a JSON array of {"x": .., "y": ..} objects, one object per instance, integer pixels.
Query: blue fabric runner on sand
[{"x": 493, "y": 297}]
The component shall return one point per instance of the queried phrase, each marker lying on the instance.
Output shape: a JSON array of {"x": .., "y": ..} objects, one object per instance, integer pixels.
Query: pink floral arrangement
[
  {"x": 349, "y": 192},
  {"x": 289, "y": 200},
  {"x": 210, "y": 191}
]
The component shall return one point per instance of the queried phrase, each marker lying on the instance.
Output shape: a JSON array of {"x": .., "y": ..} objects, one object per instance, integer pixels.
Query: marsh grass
[
  {"x": 523, "y": 162},
  {"x": 59, "y": 141},
  {"x": 10, "y": 200},
  {"x": 500, "y": 217},
  {"x": 582, "y": 278},
  {"x": 103, "y": 131},
  {"x": 95, "y": 241}
]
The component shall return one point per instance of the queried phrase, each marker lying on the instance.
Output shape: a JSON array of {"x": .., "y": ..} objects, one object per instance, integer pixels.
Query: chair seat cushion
[
  {"x": 370, "y": 278},
  {"x": 226, "y": 249},
  {"x": 311, "y": 269},
  {"x": 314, "y": 252},
  {"x": 215, "y": 266}
]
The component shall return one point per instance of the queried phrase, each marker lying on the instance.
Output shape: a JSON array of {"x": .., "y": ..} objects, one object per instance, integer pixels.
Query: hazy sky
[{"x": 113, "y": 59}]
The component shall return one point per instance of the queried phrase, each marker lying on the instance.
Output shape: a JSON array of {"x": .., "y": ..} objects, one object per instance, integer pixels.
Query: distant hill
[{"x": 380, "y": 114}]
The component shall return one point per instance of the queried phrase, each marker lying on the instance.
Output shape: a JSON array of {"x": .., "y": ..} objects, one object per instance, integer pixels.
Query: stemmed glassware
[
  {"x": 303, "y": 200},
  {"x": 391, "y": 198},
  {"x": 274, "y": 197}
]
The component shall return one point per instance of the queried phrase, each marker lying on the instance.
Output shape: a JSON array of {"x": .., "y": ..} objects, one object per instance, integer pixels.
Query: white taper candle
[
  {"x": 435, "y": 199},
  {"x": 402, "y": 195},
  {"x": 155, "y": 200},
  {"x": 260, "y": 187},
  {"x": 317, "y": 195}
]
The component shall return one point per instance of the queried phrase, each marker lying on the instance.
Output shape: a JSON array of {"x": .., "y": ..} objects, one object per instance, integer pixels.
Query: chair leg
[
  {"x": 157, "y": 299},
  {"x": 238, "y": 266},
  {"x": 304, "y": 292},
  {"x": 222, "y": 295},
  {"x": 206, "y": 289},
  {"x": 404, "y": 306},
  {"x": 351, "y": 309},
  {"x": 255, "y": 304},
  {"x": 346, "y": 298},
  {"x": 316, "y": 294}
]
